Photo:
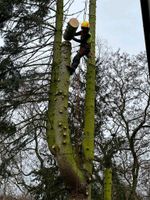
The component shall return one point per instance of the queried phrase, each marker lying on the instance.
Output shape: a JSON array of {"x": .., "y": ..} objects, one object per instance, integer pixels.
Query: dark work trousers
[{"x": 83, "y": 51}]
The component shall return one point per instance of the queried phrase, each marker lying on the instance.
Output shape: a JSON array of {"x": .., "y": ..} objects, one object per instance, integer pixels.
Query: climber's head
[{"x": 85, "y": 24}]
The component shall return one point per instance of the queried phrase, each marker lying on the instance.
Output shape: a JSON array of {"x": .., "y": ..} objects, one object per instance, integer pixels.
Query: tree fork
[
  {"x": 88, "y": 141},
  {"x": 62, "y": 148}
]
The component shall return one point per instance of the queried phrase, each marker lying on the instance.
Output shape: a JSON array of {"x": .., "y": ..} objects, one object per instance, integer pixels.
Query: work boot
[{"x": 70, "y": 69}]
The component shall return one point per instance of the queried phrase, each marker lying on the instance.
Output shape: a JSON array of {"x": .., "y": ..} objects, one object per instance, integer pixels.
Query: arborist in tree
[{"x": 85, "y": 45}]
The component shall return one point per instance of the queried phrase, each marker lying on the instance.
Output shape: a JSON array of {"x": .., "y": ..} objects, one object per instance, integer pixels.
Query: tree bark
[
  {"x": 77, "y": 196},
  {"x": 58, "y": 133},
  {"x": 88, "y": 141},
  {"x": 64, "y": 152},
  {"x": 54, "y": 74},
  {"x": 76, "y": 176},
  {"x": 71, "y": 29},
  {"x": 62, "y": 147},
  {"x": 107, "y": 183}
]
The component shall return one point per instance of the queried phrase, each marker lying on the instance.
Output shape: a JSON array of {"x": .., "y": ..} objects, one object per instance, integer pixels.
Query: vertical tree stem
[
  {"x": 107, "y": 183},
  {"x": 88, "y": 141},
  {"x": 54, "y": 74}
]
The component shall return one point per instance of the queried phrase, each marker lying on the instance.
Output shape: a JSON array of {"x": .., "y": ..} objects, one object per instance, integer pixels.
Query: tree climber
[{"x": 85, "y": 45}]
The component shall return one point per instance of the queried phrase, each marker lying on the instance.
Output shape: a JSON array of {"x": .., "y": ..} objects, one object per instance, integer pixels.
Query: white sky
[{"x": 119, "y": 22}]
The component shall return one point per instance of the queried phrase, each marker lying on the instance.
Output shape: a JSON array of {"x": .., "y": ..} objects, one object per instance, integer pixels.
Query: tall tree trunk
[
  {"x": 54, "y": 74},
  {"x": 76, "y": 174},
  {"x": 107, "y": 183},
  {"x": 64, "y": 152},
  {"x": 88, "y": 141},
  {"x": 62, "y": 148},
  {"x": 58, "y": 133}
]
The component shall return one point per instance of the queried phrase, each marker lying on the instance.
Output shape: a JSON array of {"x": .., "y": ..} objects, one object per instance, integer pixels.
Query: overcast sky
[{"x": 119, "y": 22}]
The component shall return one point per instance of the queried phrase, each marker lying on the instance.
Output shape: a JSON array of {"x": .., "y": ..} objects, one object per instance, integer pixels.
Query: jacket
[{"x": 85, "y": 38}]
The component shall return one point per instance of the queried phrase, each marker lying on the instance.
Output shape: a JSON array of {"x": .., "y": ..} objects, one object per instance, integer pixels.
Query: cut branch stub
[{"x": 71, "y": 29}]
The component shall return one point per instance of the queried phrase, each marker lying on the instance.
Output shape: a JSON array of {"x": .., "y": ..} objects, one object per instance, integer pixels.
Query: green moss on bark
[
  {"x": 66, "y": 156},
  {"x": 88, "y": 142},
  {"x": 107, "y": 183},
  {"x": 58, "y": 133},
  {"x": 54, "y": 75},
  {"x": 62, "y": 148}
]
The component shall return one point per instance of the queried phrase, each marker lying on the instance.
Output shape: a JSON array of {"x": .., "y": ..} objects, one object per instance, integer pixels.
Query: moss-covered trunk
[
  {"x": 64, "y": 152},
  {"x": 77, "y": 175},
  {"x": 107, "y": 183},
  {"x": 58, "y": 133},
  {"x": 54, "y": 73},
  {"x": 88, "y": 142},
  {"x": 62, "y": 147}
]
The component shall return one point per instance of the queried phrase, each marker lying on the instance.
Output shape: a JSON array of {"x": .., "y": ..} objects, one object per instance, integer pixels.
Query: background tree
[{"x": 123, "y": 98}]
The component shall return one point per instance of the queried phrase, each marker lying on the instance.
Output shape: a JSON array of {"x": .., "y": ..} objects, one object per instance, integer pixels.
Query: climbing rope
[{"x": 85, "y": 10}]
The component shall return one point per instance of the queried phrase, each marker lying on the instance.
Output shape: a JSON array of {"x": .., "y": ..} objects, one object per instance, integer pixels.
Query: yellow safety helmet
[{"x": 85, "y": 24}]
